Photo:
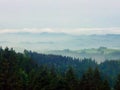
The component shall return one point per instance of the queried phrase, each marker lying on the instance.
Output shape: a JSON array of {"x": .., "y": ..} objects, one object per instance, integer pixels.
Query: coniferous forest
[{"x": 34, "y": 71}]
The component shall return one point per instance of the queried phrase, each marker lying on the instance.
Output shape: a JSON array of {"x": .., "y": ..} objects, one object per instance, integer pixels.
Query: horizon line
[{"x": 76, "y": 31}]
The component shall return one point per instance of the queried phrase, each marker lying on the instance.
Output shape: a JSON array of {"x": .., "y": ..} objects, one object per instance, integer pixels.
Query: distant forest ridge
[{"x": 98, "y": 54}]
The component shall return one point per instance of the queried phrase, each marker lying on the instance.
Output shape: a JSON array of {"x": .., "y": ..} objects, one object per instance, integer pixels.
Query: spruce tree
[{"x": 117, "y": 85}]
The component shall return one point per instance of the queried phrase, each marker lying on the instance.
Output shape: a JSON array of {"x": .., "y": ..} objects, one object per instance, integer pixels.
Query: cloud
[
  {"x": 76, "y": 31},
  {"x": 25, "y": 30}
]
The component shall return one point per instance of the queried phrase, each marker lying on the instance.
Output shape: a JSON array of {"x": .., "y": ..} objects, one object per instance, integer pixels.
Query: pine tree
[
  {"x": 87, "y": 80},
  {"x": 71, "y": 79},
  {"x": 117, "y": 85},
  {"x": 97, "y": 79},
  {"x": 9, "y": 71},
  {"x": 105, "y": 85}
]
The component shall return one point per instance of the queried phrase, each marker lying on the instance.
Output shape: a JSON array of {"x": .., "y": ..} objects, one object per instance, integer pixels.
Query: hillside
[
  {"x": 59, "y": 41},
  {"x": 99, "y": 55},
  {"x": 33, "y": 71}
]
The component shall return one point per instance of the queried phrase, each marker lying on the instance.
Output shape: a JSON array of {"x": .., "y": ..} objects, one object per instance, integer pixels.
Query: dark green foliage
[
  {"x": 110, "y": 70},
  {"x": 12, "y": 75},
  {"x": 71, "y": 79},
  {"x": 62, "y": 63},
  {"x": 9, "y": 75},
  {"x": 33, "y": 71},
  {"x": 87, "y": 81},
  {"x": 117, "y": 85},
  {"x": 105, "y": 85},
  {"x": 92, "y": 80}
]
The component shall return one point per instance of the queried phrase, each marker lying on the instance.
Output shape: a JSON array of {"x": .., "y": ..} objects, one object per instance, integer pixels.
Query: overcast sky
[{"x": 65, "y": 14}]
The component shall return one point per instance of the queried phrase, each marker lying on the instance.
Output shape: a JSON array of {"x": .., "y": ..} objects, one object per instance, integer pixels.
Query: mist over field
[{"x": 58, "y": 41}]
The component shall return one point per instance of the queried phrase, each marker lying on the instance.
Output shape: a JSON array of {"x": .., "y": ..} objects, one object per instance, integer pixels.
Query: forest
[{"x": 35, "y": 71}]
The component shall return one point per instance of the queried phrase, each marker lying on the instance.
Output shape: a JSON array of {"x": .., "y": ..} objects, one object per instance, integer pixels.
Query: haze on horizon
[{"x": 22, "y": 21}]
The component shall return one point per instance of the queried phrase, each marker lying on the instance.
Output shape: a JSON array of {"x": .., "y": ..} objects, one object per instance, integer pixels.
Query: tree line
[{"x": 33, "y": 71}]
